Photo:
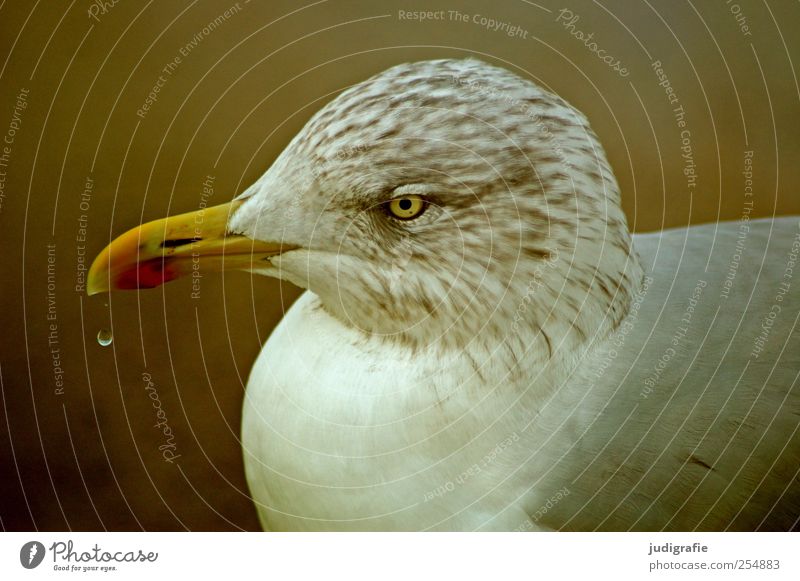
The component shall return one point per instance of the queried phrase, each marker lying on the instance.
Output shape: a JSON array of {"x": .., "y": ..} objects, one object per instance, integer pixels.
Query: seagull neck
[{"x": 564, "y": 304}]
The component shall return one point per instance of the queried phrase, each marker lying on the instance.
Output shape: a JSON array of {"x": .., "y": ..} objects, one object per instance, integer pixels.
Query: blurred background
[{"x": 118, "y": 112}]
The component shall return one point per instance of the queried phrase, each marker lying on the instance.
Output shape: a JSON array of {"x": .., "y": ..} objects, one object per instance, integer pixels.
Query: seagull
[{"x": 483, "y": 344}]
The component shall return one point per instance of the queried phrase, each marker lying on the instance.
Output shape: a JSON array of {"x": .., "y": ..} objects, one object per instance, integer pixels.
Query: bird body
[
  {"x": 663, "y": 424},
  {"x": 483, "y": 344}
]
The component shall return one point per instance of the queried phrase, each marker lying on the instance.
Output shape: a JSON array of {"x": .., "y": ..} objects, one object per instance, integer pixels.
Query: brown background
[{"x": 89, "y": 459}]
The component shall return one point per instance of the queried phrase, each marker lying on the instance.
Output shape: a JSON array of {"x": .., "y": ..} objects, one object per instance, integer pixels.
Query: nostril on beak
[{"x": 179, "y": 242}]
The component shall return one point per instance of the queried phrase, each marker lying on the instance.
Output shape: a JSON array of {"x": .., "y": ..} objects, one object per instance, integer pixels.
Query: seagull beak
[{"x": 163, "y": 250}]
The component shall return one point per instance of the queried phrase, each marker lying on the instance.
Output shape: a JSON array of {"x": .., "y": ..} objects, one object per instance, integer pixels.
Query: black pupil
[{"x": 405, "y": 204}]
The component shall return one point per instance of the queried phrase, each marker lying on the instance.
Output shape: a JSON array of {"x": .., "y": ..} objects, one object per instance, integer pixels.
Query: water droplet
[{"x": 104, "y": 337}]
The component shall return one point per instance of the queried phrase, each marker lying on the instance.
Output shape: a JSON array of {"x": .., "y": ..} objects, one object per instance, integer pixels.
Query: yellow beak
[{"x": 163, "y": 250}]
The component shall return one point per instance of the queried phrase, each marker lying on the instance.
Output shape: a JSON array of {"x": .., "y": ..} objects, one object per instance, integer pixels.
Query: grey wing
[{"x": 700, "y": 420}]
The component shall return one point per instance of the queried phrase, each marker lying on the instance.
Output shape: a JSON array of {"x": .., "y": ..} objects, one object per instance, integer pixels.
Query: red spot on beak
[{"x": 148, "y": 274}]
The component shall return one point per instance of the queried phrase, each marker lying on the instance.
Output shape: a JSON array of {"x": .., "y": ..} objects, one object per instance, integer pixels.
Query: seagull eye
[{"x": 407, "y": 207}]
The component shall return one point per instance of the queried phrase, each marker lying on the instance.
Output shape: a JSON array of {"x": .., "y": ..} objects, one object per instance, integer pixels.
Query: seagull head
[{"x": 438, "y": 201}]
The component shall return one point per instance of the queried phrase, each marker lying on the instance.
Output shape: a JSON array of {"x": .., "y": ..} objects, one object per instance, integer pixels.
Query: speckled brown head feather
[{"x": 523, "y": 239}]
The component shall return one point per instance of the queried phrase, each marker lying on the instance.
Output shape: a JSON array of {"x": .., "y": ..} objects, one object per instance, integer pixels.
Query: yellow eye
[{"x": 407, "y": 207}]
